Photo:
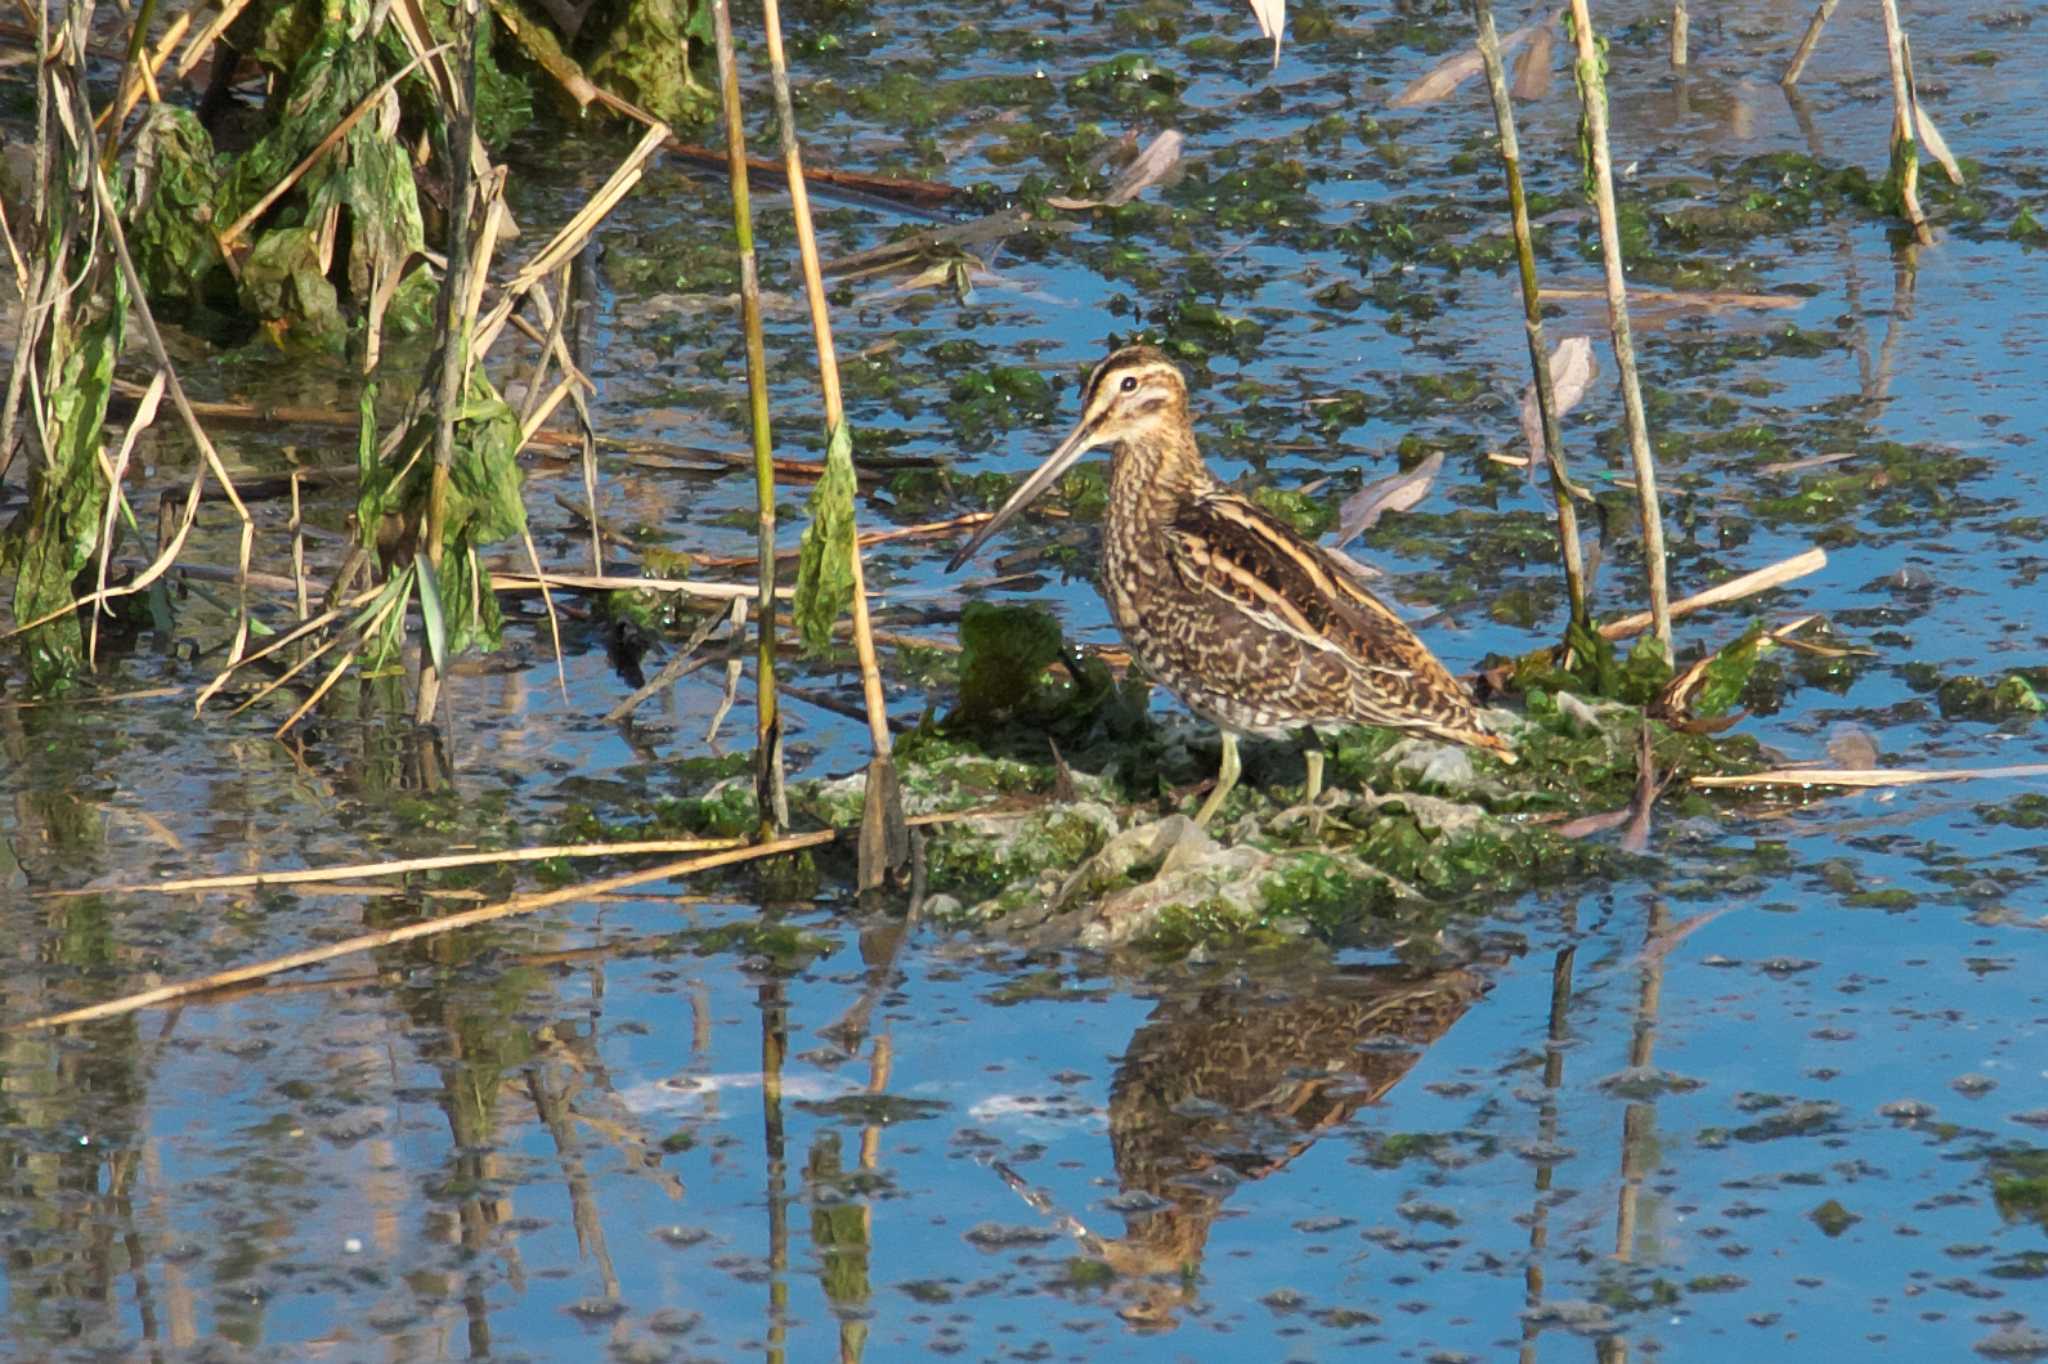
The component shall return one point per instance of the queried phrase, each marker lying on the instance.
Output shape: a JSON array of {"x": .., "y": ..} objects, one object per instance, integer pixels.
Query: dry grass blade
[
  {"x": 367, "y": 942},
  {"x": 1272, "y": 20},
  {"x": 1152, "y": 165},
  {"x": 1394, "y": 493},
  {"x": 1807, "y": 43},
  {"x": 686, "y": 661},
  {"x": 307, "y": 876},
  {"x": 1935, "y": 143},
  {"x": 1443, "y": 79},
  {"x": 1735, "y": 589},
  {"x": 1866, "y": 778},
  {"x": 1573, "y": 367},
  {"x": 145, "y": 413}
]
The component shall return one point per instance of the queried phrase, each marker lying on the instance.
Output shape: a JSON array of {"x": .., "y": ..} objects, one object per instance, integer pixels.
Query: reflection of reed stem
[
  {"x": 1638, "y": 1120},
  {"x": 770, "y": 797},
  {"x": 1593, "y": 91},
  {"x": 1532, "y": 311},
  {"x": 774, "y": 1046},
  {"x": 1546, "y": 1128}
]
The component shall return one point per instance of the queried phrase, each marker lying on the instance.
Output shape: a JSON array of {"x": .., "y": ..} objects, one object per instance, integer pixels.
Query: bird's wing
[{"x": 1242, "y": 556}]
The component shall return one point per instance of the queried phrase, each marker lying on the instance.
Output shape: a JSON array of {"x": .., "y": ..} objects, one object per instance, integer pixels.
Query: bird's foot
[{"x": 1310, "y": 812}]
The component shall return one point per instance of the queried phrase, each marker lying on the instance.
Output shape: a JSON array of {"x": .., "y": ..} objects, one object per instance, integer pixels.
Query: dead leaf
[
  {"x": 1150, "y": 167},
  {"x": 1852, "y": 747},
  {"x": 1395, "y": 492},
  {"x": 1795, "y": 466},
  {"x": 1936, "y": 144},
  {"x": 1453, "y": 71},
  {"x": 1533, "y": 67},
  {"x": 1272, "y": 17},
  {"x": 1572, "y": 370}
]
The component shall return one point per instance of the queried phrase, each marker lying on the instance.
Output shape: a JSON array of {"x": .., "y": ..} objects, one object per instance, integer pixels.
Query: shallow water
[{"x": 1776, "y": 1087}]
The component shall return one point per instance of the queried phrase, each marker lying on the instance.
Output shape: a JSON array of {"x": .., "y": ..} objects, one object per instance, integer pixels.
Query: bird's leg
[
  {"x": 1314, "y": 756},
  {"x": 1226, "y": 778}
]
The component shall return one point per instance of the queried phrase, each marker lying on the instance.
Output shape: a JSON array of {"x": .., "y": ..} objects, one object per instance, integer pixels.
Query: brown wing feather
[{"x": 1224, "y": 546}]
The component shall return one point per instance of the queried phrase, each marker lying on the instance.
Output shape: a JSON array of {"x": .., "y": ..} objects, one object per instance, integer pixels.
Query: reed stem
[
  {"x": 771, "y": 799},
  {"x": 884, "y": 843},
  {"x": 1532, "y": 311},
  {"x": 1593, "y": 93},
  {"x": 1905, "y": 140}
]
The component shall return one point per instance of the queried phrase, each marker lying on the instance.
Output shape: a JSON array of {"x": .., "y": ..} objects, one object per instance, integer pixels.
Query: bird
[{"x": 1258, "y": 631}]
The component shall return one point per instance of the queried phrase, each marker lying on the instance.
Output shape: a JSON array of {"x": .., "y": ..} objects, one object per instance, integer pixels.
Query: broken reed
[
  {"x": 1532, "y": 312},
  {"x": 771, "y": 799}
]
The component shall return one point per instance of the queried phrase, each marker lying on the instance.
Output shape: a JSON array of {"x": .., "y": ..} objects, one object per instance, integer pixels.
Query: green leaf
[
  {"x": 430, "y": 614},
  {"x": 824, "y": 573},
  {"x": 1645, "y": 672},
  {"x": 1729, "y": 673}
]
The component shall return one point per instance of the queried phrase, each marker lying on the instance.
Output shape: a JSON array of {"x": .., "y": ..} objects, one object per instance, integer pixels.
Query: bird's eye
[{"x": 1130, "y": 384}]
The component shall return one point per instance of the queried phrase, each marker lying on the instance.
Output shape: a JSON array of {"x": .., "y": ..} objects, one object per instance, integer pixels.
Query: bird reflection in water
[{"x": 1229, "y": 1084}]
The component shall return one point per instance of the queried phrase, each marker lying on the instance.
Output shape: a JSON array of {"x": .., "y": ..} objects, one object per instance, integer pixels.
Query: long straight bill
[{"x": 1062, "y": 459}]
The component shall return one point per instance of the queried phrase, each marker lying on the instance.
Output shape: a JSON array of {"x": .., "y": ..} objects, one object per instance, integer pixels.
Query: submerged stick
[
  {"x": 885, "y": 842},
  {"x": 1532, "y": 311},
  {"x": 1593, "y": 93},
  {"x": 1806, "y": 44},
  {"x": 367, "y": 942},
  {"x": 770, "y": 797}
]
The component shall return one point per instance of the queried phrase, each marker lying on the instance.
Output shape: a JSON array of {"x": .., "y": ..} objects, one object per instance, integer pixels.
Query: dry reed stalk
[
  {"x": 1905, "y": 134},
  {"x": 570, "y": 237},
  {"x": 884, "y": 843},
  {"x": 1807, "y": 43},
  {"x": 1565, "y": 293},
  {"x": 1569, "y": 551},
  {"x": 304, "y": 876},
  {"x": 518, "y": 905},
  {"x": 1593, "y": 92},
  {"x": 145, "y": 413},
  {"x": 454, "y": 333},
  {"x": 311, "y": 159},
  {"x": 1872, "y": 778},
  {"x": 608, "y": 582},
  {"x": 1735, "y": 589},
  {"x": 771, "y": 796}
]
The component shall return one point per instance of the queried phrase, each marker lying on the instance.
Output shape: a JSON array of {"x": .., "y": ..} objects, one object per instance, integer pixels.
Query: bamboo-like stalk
[
  {"x": 453, "y": 327},
  {"x": 519, "y": 904},
  {"x": 1681, "y": 35},
  {"x": 1748, "y": 585},
  {"x": 1905, "y": 135},
  {"x": 884, "y": 842},
  {"x": 1807, "y": 43},
  {"x": 1532, "y": 310},
  {"x": 1593, "y": 92},
  {"x": 770, "y": 797}
]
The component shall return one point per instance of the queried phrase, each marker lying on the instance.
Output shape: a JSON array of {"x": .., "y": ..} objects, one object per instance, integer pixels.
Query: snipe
[{"x": 1257, "y": 630}]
